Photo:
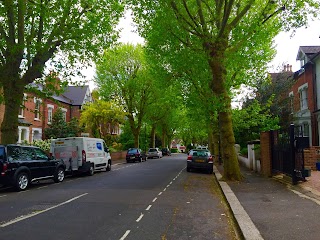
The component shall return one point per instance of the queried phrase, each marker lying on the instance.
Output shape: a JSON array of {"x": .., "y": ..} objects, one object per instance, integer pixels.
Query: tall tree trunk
[
  {"x": 13, "y": 96},
  {"x": 153, "y": 136},
  {"x": 218, "y": 86}
]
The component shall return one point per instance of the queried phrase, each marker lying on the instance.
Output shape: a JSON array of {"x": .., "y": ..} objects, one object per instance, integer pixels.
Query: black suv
[
  {"x": 21, "y": 165},
  {"x": 135, "y": 154}
]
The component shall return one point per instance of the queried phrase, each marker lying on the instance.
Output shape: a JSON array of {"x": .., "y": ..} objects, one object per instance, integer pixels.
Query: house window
[
  {"x": 305, "y": 128},
  {"x": 21, "y": 109},
  {"x": 303, "y": 95},
  {"x": 50, "y": 113},
  {"x": 64, "y": 114},
  {"x": 37, "y": 102}
]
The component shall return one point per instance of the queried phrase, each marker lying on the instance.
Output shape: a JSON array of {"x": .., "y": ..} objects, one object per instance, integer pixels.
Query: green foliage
[
  {"x": 97, "y": 117},
  {"x": 60, "y": 128},
  {"x": 43, "y": 144},
  {"x": 123, "y": 75},
  {"x": 57, "y": 36},
  {"x": 126, "y": 137},
  {"x": 174, "y": 150},
  {"x": 248, "y": 122}
]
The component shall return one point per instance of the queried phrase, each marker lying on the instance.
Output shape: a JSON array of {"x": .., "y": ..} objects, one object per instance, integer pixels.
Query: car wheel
[
  {"x": 22, "y": 181},
  {"x": 140, "y": 160},
  {"x": 59, "y": 175},
  {"x": 108, "y": 168},
  {"x": 91, "y": 170}
]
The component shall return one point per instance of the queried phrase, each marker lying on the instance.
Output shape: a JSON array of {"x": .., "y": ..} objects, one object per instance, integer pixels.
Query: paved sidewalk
[{"x": 268, "y": 209}]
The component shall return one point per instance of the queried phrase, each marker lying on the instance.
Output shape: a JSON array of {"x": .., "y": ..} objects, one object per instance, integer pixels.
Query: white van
[{"x": 82, "y": 154}]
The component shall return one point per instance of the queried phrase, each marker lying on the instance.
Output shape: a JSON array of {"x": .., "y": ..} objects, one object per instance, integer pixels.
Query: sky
[{"x": 287, "y": 45}]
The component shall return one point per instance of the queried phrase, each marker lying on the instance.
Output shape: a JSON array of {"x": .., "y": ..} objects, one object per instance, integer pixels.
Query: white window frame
[
  {"x": 21, "y": 110},
  {"x": 64, "y": 111},
  {"x": 50, "y": 108},
  {"x": 303, "y": 95},
  {"x": 37, "y": 111}
]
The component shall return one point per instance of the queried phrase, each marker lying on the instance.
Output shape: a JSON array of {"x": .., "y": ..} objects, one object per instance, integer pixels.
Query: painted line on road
[
  {"x": 155, "y": 199},
  {"x": 159, "y": 193},
  {"x": 164, "y": 189},
  {"x": 148, "y": 208},
  {"x": 2, "y": 196},
  {"x": 18, "y": 219},
  {"x": 125, "y": 235},
  {"x": 42, "y": 187},
  {"x": 168, "y": 185},
  {"x": 23, "y": 191},
  {"x": 139, "y": 218}
]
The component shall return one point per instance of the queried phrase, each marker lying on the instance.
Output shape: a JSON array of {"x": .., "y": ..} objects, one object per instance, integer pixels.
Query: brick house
[
  {"x": 305, "y": 103},
  {"x": 36, "y": 115}
]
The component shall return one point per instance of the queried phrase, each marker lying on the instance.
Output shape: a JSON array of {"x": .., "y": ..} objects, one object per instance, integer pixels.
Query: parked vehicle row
[
  {"x": 21, "y": 165},
  {"x": 136, "y": 154}
]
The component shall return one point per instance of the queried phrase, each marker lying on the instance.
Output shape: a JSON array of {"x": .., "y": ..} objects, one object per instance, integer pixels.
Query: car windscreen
[
  {"x": 200, "y": 153},
  {"x": 152, "y": 150},
  {"x": 132, "y": 151}
]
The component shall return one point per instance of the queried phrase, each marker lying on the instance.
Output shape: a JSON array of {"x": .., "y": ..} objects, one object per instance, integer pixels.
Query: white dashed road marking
[
  {"x": 125, "y": 235},
  {"x": 139, "y": 218},
  {"x": 148, "y": 208},
  {"x": 39, "y": 212}
]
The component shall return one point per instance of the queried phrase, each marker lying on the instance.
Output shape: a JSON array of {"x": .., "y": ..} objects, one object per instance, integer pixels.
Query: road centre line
[
  {"x": 139, "y": 218},
  {"x": 125, "y": 235},
  {"x": 155, "y": 199},
  {"x": 148, "y": 208},
  {"x": 2, "y": 196},
  {"x": 18, "y": 219},
  {"x": 159, "y": 193}
]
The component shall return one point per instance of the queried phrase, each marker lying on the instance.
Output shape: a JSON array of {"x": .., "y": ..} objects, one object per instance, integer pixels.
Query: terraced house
[{"x": 36, "y": 113}]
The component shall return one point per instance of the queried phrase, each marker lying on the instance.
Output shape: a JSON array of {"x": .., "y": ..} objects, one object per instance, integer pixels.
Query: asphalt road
[{"x": 156, "y": 199}]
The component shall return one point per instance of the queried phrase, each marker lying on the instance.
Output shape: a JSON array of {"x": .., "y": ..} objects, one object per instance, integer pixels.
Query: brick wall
[
  {"x": 265, "y": 157},
  {"x": 311, "y": 156},
  {"x": 118, "y": 155}
]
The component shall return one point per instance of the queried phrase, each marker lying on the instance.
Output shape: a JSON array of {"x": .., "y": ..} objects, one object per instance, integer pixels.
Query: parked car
[
  {"x": 82, "y": 154},
  {"x": 22, "y": 165},
  {"x": 166, "y": 152},
  {"x": 200, "y": 159},
  {"x": 135, "y": 154},
  {"x": 154, "y": 153}
]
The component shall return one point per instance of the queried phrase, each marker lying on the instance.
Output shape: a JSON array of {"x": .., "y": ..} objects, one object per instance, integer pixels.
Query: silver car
[{"x": 154, "y": 153}]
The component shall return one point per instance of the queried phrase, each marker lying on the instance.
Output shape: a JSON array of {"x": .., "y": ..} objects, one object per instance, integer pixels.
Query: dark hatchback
[
  {"x": 166, "y": 152},
  {"x": 22, "y": 165},
  {"x": 135, "y": 154},
  {"x": 200, "y": 159}
]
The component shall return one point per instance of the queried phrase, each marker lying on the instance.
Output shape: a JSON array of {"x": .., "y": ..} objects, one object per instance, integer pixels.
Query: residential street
[{"x": 156, "y": 199}]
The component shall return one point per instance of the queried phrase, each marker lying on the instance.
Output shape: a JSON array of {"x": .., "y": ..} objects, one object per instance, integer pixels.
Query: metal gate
[{"x": 287, "y": 148}]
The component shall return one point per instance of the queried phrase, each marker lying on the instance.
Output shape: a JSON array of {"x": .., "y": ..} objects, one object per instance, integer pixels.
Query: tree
[
  {"x": 123, "y": 75},
  {"x": 57, "y": 35},
  {"x": 100, "y": 115},
  {"x": 222, "y": 30},
  {"x": 59, "y": 128}
]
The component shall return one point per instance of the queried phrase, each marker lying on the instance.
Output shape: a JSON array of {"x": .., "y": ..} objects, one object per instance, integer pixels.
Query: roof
[
  {"x": 309, "y": 51},
  {"x": 77, "y": 94}
]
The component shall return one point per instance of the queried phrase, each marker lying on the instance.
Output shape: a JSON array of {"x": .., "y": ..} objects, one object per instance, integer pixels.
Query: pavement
[{"x": 273, "y": 208}]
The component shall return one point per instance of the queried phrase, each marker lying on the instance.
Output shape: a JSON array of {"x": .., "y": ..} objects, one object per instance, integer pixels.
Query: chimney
[
  {"x": 290, "y": 68},
  {"x": 284, "y": 68}
]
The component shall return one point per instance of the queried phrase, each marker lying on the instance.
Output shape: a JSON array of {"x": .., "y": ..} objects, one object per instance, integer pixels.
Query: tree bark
[
  {"x": 218, "y": 87},
  {"x": 13, "y": 96}
]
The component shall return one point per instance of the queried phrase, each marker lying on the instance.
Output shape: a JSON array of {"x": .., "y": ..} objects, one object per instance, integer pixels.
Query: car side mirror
[{"x": 106, "y": 150}]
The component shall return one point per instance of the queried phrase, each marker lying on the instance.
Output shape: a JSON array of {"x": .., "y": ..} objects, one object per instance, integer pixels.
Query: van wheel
[
  {"x": 108, "y": 168},
  {"x": 91, "y": 170},
  {"x": 59, "y": 175},
  {"x": 22, "y": 181}
]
